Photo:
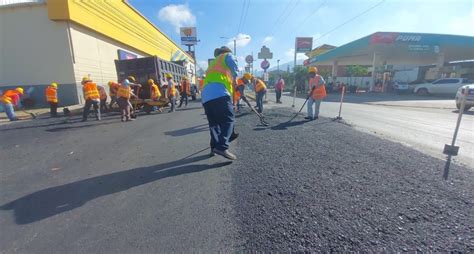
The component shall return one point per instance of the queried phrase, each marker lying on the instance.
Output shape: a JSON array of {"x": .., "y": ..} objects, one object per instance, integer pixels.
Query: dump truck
[{"x": 149, "y": 68}]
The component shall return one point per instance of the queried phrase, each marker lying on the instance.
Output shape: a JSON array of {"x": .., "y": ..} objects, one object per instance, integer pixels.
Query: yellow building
[{"x": 63, "y": 40}]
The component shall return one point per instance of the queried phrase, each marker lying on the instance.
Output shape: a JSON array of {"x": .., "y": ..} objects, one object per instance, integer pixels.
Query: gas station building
[{"x": 387, "y": 52}]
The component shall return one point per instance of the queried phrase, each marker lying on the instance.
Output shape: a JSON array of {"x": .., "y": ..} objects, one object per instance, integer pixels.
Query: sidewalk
[{"x": 24, "y": 115}]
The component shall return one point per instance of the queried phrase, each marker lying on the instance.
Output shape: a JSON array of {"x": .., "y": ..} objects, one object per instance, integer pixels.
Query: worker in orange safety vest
[
  {"x": 184, "y": 92},
  {"x": 51, "y": 93},
  {"x": 103, "y": 99},
  {"x": 317, "y": 92},
  {"x": 92, "y": 98},
  {"x": 11, "y": 99},
  {"x": 113, "y": 87},
  {"x": 260, "y": 91},
  {"x": 171, "y": 91}
]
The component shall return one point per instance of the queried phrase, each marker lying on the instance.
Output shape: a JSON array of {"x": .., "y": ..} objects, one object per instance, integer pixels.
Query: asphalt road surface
[
  {"x": 149, "y": 186},
  {"x": 423, "y": 123}
]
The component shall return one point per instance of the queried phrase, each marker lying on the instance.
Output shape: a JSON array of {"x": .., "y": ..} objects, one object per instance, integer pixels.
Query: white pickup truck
[{"x": 444, "y": 86}]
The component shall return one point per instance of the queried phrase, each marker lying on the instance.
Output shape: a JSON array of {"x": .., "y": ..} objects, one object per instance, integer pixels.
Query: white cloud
[
  {"x": 177, "y": 15},
  {"x": 267, "y": 39},
  {"x": 290, "y": 55},
  {"x": 462, "y": 25},
  {"x": 241, "y": 41}
]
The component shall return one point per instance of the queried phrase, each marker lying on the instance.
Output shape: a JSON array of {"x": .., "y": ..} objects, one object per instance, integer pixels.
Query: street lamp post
[
  {"x": 235, "y": 42},
  {"x": 278, "y": 67}
]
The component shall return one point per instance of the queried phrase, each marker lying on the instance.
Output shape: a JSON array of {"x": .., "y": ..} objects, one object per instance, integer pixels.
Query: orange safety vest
[
  {"x": 201, "y": 84},
  {"x": 90, "y": 91},
  {"x": 102, "y": 93},
  {"x": 7, "y": 96},
  {"x": 113, "y": 89},
  {"x": 237, "y": 94},
  {"x": 260, "y": 86},
  {"x": 51, "y": 94},
  {"x": 320, "y": 91},
  {"x": 172, "y": 89},
  {"x": 124, "y": 92},
  {"x": 155, "y": 92},
  {"x": 185, "y": 87}
]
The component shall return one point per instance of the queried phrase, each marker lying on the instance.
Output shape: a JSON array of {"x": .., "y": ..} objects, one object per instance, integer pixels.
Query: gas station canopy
[{"x": 395, "y": 48}]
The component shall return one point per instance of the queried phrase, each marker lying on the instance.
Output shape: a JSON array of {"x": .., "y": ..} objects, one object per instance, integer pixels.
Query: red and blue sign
[
  {"x": 265, "y": 64},
  {"x": 124, "y": 55}
]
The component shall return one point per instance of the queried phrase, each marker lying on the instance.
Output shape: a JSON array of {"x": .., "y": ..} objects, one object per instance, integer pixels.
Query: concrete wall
[
  {"x": 94, "y": 55},
  {"x": 35, "y": 51}
]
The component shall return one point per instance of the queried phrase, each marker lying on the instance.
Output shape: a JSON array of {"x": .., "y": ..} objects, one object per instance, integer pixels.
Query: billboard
[
  {"x": 303, "y": 44},
  {"x": 124, "y": 55},
  {"x": 188, "y": 35}
]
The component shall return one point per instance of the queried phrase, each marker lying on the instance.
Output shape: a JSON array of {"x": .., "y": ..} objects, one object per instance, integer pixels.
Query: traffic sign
[
  {"x": 265, "y": 76},
  {"x": 265, "y": 53},
  {"x": 265, "y": 64},
  {"x": 249, "y": 59}
]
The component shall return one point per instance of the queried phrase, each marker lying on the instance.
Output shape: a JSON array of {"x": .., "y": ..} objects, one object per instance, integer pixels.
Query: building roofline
[
  {"x": 22, "y": 4},
  {"x": 151, "y": 23}
]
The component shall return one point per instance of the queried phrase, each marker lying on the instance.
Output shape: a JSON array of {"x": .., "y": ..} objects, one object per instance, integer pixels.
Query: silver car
[{"x": 469, "y": 98}]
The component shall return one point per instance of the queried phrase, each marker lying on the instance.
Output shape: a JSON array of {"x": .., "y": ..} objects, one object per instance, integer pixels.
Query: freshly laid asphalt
[{"x": 149, "y": 186}]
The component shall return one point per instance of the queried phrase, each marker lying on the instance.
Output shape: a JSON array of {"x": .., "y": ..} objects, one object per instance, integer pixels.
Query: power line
[
  {"x": 245, "y": 15},
  {"x": 289, "y": 13},
  {"x": 310, "y": 15},
  {"x": 241, "y": 16},
  {"x": 275, "y": 24},
  {"x": 349, "y": 20}
]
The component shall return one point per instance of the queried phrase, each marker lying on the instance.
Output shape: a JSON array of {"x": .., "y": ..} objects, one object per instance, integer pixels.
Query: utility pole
[
  {"x": 278, "y": 67},
  {"x": 294, "y": 79}
]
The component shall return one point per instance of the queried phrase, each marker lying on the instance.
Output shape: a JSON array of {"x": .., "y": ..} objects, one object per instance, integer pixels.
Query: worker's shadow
[
  {"x": 286, "y": 125},
  {"x": 55, "y": 200},
  {"x": 465, "y": 112},
  {"x": 187, "y": 131}
]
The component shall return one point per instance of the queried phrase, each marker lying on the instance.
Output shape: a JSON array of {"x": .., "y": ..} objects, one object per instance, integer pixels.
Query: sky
[{"x": 276, "y": 23}]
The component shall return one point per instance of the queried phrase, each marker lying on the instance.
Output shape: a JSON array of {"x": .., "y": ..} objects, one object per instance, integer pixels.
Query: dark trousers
[
  {"x": 103, "y": 105},
  {"x": 87, "y": 109},
  {"x": 124, "y": 105},
  {"x": 220, "y": 115},
  {"x": 259, "y": 99},
  {"x": 278, "y": 95},
  {"x": 184, "y": 98},
  {"x": 172, "y": 103},
  {"x": 53, "y": 109}
]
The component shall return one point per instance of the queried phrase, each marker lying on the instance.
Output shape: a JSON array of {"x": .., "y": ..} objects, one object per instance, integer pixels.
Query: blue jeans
[
  {"x": 317, "y": 104},
  {"x": 220, "y": 115},
  {"x": 259, "y": 99},
  {"x": 10, "y": 111}
]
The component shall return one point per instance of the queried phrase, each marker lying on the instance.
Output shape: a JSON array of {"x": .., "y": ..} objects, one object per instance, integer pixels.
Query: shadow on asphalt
[
  {"x": 187, "y": 131},
  {"x": 286, "y": 125},
  {"x": 96, "y": 123},
  {"x": 55, "y": 200},
  {"x": 465, "y": 112}
]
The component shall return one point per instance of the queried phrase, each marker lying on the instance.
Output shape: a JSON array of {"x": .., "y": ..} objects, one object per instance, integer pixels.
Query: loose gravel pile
[{"x": 323, "y": 186}]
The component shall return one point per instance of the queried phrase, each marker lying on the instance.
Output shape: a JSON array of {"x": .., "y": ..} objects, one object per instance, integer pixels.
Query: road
[
  {"x": 425, "y": 125},
  {"x": 149, "y": 186}
]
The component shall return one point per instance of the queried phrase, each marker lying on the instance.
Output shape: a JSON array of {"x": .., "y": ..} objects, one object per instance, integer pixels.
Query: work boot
[
  {"x": 212, "y": 154},
  {"x": 226, "y": 154},
  {"x": 308, "y": 118}
]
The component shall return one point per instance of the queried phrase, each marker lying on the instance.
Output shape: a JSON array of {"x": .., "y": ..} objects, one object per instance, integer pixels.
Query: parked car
[
  {"x": 402, "y": 87},
  {"x": 444, "y": 86},
  {"x": 469, "y": 98}
]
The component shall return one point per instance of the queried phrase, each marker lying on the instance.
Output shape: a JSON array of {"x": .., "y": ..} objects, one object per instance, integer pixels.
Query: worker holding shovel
[
  {"x": 317, "y": 92},
  {"x": 11, "y": 99}
]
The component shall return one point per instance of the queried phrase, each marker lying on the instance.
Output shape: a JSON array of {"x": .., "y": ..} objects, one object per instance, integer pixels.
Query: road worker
[
  {"x": 11, "y": 99},
  {"x": 279, "y": 87},
  {"x": 239, "y": 90},
  {"x": 51, "y": 93},
  {"x": 217, "y": 97},
  {"x": 317, "y": 91},
  {"x": 184, "y": 92},
  {"x": 103, "y": 99},
  {"x": 201, "y": 83},
  {"x": 171, "y": 91},
  {"x": 124, "y": 93},
  {"x": 92, "y": 98},
  {"x": 260, "y": 91},
  {"x": 155, "y": 93},
  {"x": 113, "y": 87}
]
